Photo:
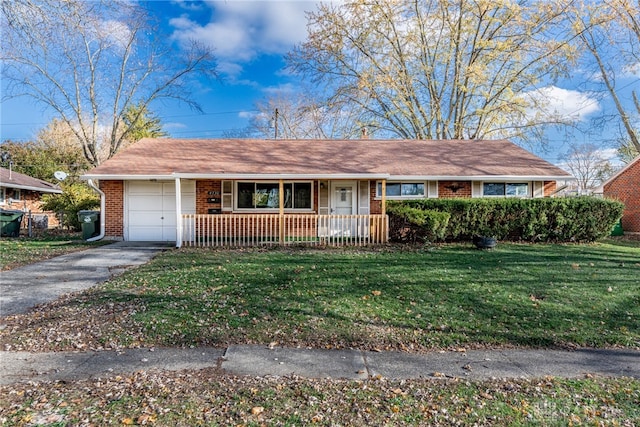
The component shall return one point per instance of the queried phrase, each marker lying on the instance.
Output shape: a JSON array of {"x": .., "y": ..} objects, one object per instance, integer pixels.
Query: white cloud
[
  {"x": 174, "y": 125},
  {"x": 188, "y": 4},
  {"x": 241, "y": 30},
  {"x": 229, "y": 68},
  {"x": 116, "y": 32},
  {"x": 558, "y": 103},
  {"x": 610, "y": 154},
  {"x": 247, "y": 114},
  {"x": 283, "y": 89},
  {"x": 632, "y": 70}
]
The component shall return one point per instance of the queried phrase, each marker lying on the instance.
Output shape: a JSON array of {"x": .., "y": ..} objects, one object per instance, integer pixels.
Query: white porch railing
[{"x": 233, "y": 230}]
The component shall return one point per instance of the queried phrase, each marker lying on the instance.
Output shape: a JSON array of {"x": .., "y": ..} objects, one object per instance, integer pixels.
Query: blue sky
[{"x": 250, "y": 39}]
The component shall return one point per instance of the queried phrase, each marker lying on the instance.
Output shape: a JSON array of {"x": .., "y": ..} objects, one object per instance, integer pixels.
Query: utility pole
[{"x": 275, "y": 136}]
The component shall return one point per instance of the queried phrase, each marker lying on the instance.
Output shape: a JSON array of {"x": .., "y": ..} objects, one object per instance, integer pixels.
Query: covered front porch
[{"x": 318, "y": 212}]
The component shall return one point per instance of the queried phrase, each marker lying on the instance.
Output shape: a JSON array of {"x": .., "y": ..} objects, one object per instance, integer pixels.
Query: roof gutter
[
  {"x": 102, "y": 212},
  {"x": 31, "y": 188},
  {"x": 127, "y": 177},
  {"x": 328, "y": 176},
  {"x": 237, "y": 176},
  {"x": 485, "y": 178},
  {"x": 286, "y": 176}
]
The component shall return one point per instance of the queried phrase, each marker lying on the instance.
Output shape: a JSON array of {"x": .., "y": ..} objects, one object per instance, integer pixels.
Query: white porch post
[
  {"x": 281, "y": 212},
  {"x": 384, "y": 197},
  {"x": 178, "y": 213}
]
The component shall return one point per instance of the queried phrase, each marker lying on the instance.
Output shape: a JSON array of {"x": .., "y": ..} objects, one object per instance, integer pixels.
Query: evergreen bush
[
  {"x": 571, "y": 219},
  {"x": 409, "y": 224}
]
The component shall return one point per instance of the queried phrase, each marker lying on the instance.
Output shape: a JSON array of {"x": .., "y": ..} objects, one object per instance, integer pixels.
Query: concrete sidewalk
[
  {"x": 44, "y": 281},
  {"x": 254, "y": 360}
]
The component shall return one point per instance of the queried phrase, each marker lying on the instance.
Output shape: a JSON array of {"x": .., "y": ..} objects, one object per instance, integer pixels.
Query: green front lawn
[
  {"x": 413, "y": 300},
  {"x": 16, "y": 252}
]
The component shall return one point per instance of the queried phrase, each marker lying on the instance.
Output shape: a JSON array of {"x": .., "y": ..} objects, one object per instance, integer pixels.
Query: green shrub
[
  {"x": 575, "y": 219},
  {"x": 410, "y": 224},
  {"x": 75, "y": 197}
]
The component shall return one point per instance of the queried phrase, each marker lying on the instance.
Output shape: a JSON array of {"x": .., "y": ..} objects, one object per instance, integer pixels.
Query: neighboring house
[
  {"x": 23, "y": 192},
  {"x": 203, "y": 191},
  {"x": 625, "y": 186}
]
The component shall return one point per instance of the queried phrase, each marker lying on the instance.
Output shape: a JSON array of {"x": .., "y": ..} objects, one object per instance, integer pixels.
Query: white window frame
[
  {"x": 276, "y": 209},
  {"x": 425, "y": 190},
  {"x": 506, "y": 183},
  {"x": 226, "y": 197},
  {"x": 3, "y": 196}
]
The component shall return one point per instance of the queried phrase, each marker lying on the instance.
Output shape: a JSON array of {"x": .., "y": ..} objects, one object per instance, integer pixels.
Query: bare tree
[
  {"x": 588, "y": 165},
  {"x": 609, "y": 31},
  {"x": 463, "y": 69},
  {"x": 304, "y": 115},
  {"x": 55, "y": 148},
  {"x": 91, "y": 62}
]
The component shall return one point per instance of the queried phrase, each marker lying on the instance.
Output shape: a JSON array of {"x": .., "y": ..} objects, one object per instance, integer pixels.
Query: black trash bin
[
  {"x": 90, "y": 222},
  {"x": 10, "y": 222}
]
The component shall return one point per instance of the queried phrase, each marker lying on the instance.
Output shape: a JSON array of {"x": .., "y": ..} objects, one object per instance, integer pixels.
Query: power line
[{"x": 162, "y": 117}]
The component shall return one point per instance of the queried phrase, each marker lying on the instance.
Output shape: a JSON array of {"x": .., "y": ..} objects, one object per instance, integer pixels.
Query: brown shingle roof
[
  {"x": 396, "y": 158},
  {"x": 13, "y": 179}
]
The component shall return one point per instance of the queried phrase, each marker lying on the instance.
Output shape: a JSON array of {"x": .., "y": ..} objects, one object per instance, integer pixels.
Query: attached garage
[{"x": 150, "y": 209}]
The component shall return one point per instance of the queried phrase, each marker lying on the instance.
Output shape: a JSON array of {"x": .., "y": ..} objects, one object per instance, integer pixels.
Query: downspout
[{"x": 102, "y": 212}]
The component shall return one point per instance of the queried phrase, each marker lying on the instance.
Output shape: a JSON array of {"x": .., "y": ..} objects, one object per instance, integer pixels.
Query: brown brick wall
[
  {"x": 29, "y": 201},
  {"x": 549, "y": 188},
  {"x": 375, "y": 206},
  {"x": 626, "y": 188},
  {"x": 202, "y": 194},
  {"x": 446, "y": 189},
  {"x": 114, "y": 208}
]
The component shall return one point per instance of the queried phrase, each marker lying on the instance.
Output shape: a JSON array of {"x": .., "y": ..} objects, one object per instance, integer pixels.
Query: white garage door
[{"x": 151, "y": 209}]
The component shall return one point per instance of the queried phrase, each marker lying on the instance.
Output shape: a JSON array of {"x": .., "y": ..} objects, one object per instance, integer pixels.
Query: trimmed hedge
[
  {"x": 573, "y": 219},
  {"x": 409, "y": 224}
]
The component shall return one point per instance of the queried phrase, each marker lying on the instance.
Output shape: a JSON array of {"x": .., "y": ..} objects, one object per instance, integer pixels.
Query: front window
[
  {"x": 520, "y": 189},
  {"x": 3, "y": 196},
  {"x": 402, "y": 190},
  {"x": 266, "y": 195}
]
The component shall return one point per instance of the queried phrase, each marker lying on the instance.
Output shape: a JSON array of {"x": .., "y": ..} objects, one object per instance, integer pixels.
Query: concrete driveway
[{"x": 24, "y": 287}]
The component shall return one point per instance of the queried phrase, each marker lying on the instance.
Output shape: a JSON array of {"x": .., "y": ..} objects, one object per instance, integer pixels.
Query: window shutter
[
  {"x": 538, "y": 189},
  {"x": 364, "y": 198},
  {"x": 323, "y": 198},
  {"x": 227, "y": 196},
  {"x": 476, "y": 189},
  {"x": 432, "y": 189}
]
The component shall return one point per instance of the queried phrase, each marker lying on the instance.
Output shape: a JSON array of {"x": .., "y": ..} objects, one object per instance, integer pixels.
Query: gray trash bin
[{"x": 90, "y": 222}]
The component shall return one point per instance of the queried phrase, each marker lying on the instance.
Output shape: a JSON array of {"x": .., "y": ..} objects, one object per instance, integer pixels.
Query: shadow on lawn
[{"x": 520, "y": 295}]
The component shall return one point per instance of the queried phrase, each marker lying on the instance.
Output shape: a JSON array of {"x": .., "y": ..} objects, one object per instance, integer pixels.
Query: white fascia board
[
  {"x": 169, "y": 177},
  {"x": 478, "y": 178},
  {"x": 27, "y": 187},
  {"x": 354, "y": 176},
  {"x": 286, "y": 176}
]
